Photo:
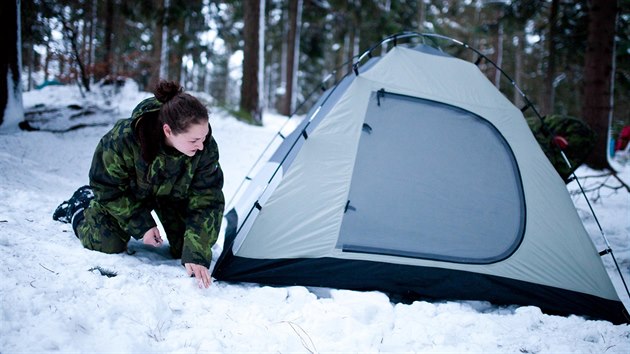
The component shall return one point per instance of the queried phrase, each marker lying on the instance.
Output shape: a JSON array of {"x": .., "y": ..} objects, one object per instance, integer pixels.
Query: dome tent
[{"x": 414, "y": 175}]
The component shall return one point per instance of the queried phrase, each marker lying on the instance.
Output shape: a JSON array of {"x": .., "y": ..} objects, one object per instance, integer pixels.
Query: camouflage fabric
[
  {"x": 186, "y": 193},
  {"x": 580, "y": 138}
]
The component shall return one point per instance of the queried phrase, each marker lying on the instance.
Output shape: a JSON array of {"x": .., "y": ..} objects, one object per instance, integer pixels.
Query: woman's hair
[{"x": 179, "y": 110}]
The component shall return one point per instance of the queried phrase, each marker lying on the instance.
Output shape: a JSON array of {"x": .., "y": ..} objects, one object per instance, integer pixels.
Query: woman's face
[{"x": 188, "y": 142}]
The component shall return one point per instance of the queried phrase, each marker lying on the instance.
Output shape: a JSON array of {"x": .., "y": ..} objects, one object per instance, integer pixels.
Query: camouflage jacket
[{"x": 128, "y": 188}]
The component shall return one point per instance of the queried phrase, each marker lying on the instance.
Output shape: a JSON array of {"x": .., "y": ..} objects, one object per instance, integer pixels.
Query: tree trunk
[
  {"x": 47, "y": 61},
  {"x": 31, "y": 65},
  {"x": 261, "y": 60},
  {"x": 109, "y": 34},
  {"x": 547, "y": 98},
  {"x": 598, "y": 75},
  {"x": 176, "y": 51},
  {"x": 350, "y": 45},
  {"x": 249, "y": 86},
  {"x": 165, "y": 44},
  {"x": 156, "y": 64},
  {"x": 499, "y": 57},
  {"x": 71, "y": 32},
  {"x": 518, "y": 67},
  {"x": 220, "y": 78},
  {"x": 11, "y": 110},
  {"x": 292, "y": 57},
  {"x": 422, "y": 15},
  {"x": 91, "y": 42},
  {"x": 340, "y": 54},
  {"x": 85, "y": 38}
]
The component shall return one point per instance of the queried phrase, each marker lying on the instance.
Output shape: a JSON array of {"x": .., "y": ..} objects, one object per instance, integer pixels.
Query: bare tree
[
  {"x": 598, "y": 74},
  {"x": 72, "y": 33}
]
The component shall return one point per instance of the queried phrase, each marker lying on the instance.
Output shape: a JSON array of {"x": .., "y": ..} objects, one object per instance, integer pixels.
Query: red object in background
[
  {"x": 624, "y": 138},
  {"x": 560, "y": 142}
]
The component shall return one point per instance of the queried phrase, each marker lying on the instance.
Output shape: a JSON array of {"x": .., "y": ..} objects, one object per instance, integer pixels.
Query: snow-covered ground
[{"x": 55, "y": 300}]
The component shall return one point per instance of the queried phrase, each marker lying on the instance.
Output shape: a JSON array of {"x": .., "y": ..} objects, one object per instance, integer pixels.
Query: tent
[{"x": 415, "y": 176}]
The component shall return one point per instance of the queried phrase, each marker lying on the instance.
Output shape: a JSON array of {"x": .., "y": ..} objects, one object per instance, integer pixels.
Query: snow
[{"x": 55, "y": 299}]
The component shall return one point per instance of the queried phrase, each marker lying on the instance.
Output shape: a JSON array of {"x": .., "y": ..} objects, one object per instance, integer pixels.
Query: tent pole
[{"x": 601, "y": 230}]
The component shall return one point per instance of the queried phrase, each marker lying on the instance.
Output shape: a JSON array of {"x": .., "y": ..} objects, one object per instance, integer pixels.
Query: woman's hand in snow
[{"x": 200, "y": 272}]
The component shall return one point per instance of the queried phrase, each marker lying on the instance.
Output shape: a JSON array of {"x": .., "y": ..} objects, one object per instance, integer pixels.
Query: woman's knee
[
  {"x": 98, "y": 234},
  {"x": 102, "y": 242}
]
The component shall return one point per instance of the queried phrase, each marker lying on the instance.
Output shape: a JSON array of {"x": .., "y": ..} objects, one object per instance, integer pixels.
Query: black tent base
[{"x": 407, "y": 283}]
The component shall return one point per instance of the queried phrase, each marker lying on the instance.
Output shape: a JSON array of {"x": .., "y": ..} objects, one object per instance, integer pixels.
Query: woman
[{"x": 163, "y": 158}]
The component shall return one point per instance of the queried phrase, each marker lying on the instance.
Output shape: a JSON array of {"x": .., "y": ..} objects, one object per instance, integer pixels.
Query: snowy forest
[
  {"x": 567, "y": 56},
  {"x": 76, "y": 67}
]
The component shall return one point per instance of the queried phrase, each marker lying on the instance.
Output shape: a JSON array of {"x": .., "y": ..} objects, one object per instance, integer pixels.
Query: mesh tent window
[{"x": 460, "y": 200}]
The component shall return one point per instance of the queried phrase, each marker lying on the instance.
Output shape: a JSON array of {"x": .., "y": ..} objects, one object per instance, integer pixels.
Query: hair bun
[{"x": 166, "y": 90}]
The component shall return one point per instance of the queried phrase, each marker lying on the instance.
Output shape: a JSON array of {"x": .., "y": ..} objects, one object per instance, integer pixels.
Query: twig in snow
[
  {"x": 301, "y": 334},
  {"x": 156, "y": 333},
  {"x": 52, "y": 271}
]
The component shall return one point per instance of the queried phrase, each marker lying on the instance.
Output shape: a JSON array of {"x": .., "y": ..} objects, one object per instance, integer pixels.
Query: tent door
[{"x": 432, "y": 181}]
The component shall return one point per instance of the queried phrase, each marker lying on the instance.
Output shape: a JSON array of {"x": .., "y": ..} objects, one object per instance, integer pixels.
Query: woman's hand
[
  {"x": 152, "y": 237},
  {"x": 201, "y": 274}
]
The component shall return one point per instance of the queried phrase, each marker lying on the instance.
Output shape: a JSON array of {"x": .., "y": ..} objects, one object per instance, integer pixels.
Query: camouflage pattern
[
  {"x": 578, "y": 134},
  {"x": 185, "y": 192}
]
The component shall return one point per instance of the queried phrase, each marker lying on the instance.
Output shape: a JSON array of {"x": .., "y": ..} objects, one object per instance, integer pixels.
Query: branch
[
  {"x": 624, "y": 184},
  {"x": 598, "y": 186}
]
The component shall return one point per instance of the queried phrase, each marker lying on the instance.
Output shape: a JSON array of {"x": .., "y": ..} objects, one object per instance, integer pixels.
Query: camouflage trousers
[{"x": 99, "y": 231}]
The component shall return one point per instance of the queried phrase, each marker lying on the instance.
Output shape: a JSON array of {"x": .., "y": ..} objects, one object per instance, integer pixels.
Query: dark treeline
[{"x": 541, "y": 44}]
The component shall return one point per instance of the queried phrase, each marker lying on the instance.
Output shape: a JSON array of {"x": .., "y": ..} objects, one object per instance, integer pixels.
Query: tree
[
  {"x": 293, "y": 46},
  {"x": 546, "y": 105},
  {"x": 109, "y": 36},
  {"x": 114, "y": 37},
  {"x": 72, "y": 34},
  {"x": 250, "y": 91},
  {"x": 158, "y": 36},
  {"x": 598, "y": 74},
  {"x": 10, "y": 62},
  {"x": 225, "y": 19},
  {"x": 622, "y": 65},
  {"x": 31, "y": 13},
  {"x": 91, "y": 45}
]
